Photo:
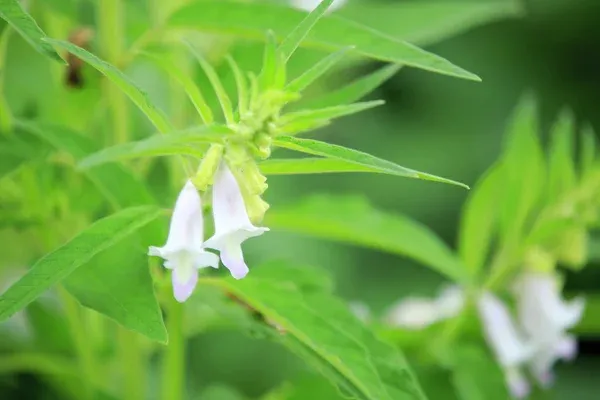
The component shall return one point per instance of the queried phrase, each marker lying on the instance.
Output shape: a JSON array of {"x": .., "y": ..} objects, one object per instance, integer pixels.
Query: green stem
[
  {"x": 132, "y": 364},
  {"x": 84, "y": 352},
  {"x": 173, "y": 378},
  {"x": 5, "y": 115},
  {"x": 111, "y": 23}
]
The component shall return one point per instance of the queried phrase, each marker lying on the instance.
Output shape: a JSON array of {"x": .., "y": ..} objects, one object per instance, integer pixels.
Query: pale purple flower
[
  {"x": 545, "y": 318},
  {"x": 184, "y": 252},
  {"x": 232, "y": 224}
]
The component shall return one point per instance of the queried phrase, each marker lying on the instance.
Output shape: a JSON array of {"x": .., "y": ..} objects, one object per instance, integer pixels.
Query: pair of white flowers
[
  {"x": 184, "y": 252},
  {"x": 537, "y": 341}
]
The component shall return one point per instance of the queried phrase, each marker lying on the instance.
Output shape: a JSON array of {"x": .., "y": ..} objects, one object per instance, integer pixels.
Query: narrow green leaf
[
  {"x": 327, "y": 113},
  {"x": 57, "y": 265},
  {"x": 188, "y": 84},
  {"x": 354, "y": 221},
  {"x": 311, "y": 165},
  {"x": 300, "y": 31},
  {"x": 561, "y": 166},
  {"x": 355, "y": 90},
  {"x": 321, "y": 329},
  {"x": 210, "y": 72},
  {"x": 241, "y": 85},
  {"x": 188, "y": 142},
  {"x": 13, "y": 13},
  {"x": 252, "y": 19},
  {"x": 525, "y": 171},
  {"x": 316, "y": 71},
  {"x": 272, "y": 75},
  {"x": 328, "y": 150},
  {"x": 587, "y": 151},
  {"x": 302, "y": 125},
  {"x": 119, "y": 186},
  {"x": 139, "y": 98},
  {"x": 479, "y": 218},
  {"x": 117, "y": 283}
]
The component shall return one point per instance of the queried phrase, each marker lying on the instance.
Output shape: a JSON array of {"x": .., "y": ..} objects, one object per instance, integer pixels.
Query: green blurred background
[{"x": 432, "y": 123}]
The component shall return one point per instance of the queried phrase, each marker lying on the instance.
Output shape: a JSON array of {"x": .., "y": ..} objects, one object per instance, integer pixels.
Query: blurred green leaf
[
  {"x": 241, "y": 86},
  {"x": 13, "y": 13},
  {"x": 352, "y": 220},
  {"x": 188, "y": 84},
  {"x": 220, "y": 392},
  {"x": 316, "y": 71},
  {"x": 479, "y": 217},
  {"x": 354, "y": 91},
  {"x": 175, "y": 143},
  {"x": 561, "y": 166},
  {"x": 117, "y": 283},
  {"x": 524, "y": 169},
  {"x": 328, "y": 113},
  {"x": 117, "y": 185},
  {"x": 321, "y": 328},
  {"x": 587, "y": 151},
  {"x": 332, "y": 32},
  {"x": 328, "y": 150},
  {"x": 15, "y": 150},
  {"x": 57, "y": 265},
  {"x": 124, "y": 83}
]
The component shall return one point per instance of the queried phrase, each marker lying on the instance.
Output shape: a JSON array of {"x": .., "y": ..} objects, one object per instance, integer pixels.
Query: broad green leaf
[
  {"x": 327, "y": 113},
  {"x": 212, "y": 76},
  {"x": 124, "y": 83},
  {"x": 352, "y": 220},
  {"x": 588, "y": 151},
  {"x": 13, "y": 13},
  {"x": 252, "y": 19},
  {"x": 241, "y": 86},
  {"x": 561, "y": 166},
  {"x": 188, "y": 84},
  {"x": 316, "y": 71},
  {"x": 301, "y": 30},
  {"x": 524, "y": 169},
  {"x": 117, "y": 283},
  {"x": 322, "y": 330},
  {"x": 272, "y": 75},
  {"x": 479, "y": 218},
  {"x": 355, "y": 90},
  {"x": 187, "y": 142},
  {"x": 328, "y": 150},
  {"x": 311, "y": 165},
  {"x": 59, "y": 264},
  {"x": 117, "y": 185}
]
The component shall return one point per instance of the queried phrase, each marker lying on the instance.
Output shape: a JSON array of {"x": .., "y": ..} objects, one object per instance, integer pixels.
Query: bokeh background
[{"x": 430, "y": 122}]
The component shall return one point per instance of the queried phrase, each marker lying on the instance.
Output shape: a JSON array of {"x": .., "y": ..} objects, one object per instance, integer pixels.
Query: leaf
[
  {"x": 587, "y": 151},
  {"x": 272, "y": 75},
  {"x": 302, "y": 125},
  {"x": 359, "y": 158},
  {"x": 139, "y": 98},
  {"x": 117, "y": 185},
  {"x": 316, "y": 71},
  {"x": 194, "y": 94},
  {"x": 355, "y": 90},
  {"x": 57, "y": 265},
  {"x": 322, "y": 330},
  {"x": 117, "y": 283},
  {"x": 352, "y": 220},
  {"x": 525, "y": 171},
  {"x": 210, "y": 72},
  {"x": 252, "y": 19},
  {"x": 12, "y": 12},
  {"x": 176, "y": 143},
  {"x": 479, "y": 218},
  {"x": 241, "y": 85},
  {"x": 301, "y": 30},
  {"x": 327, "y": 113},
  {"x": 296, "y": 166},
  {"x": 561, "y": 166}
]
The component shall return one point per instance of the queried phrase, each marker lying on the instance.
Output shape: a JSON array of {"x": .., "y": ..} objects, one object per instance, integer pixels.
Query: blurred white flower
[
  {"x": 232, "y": 225},
  {"x": 545, "y": 318},
  {"x": 309, "y": 5},
  {"x": 420, "y": 312},
  {"x": 184, "y": 252},
  {"x": 360, "y": 310},
  {"x": 508, "y": 344}
]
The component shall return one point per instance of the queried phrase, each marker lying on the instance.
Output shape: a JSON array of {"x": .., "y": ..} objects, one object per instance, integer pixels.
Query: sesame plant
[{"x": 134, "y": 221}]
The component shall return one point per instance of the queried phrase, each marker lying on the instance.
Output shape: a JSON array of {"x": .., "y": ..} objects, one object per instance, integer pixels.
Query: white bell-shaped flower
[
  {"x": 184, "y": 253},
  {"x": 508, "y": 344},
  {"x": 545, "y": 318},
  {"x": 232, "y": 224},
  {"x": 309, "y": 5}
]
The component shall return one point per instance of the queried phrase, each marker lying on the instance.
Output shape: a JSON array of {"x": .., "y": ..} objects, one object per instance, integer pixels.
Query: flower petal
[
  {"x": 206, "y": 259},
  {"x": 183, "y": 288},
  {"x": 229, "y": 209},
  {"x": 517, "y": 384},
  {"x": 186, "y": 229},
  {"x": 233, "y": 260},
  {"x": 413, "y": 313}
]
